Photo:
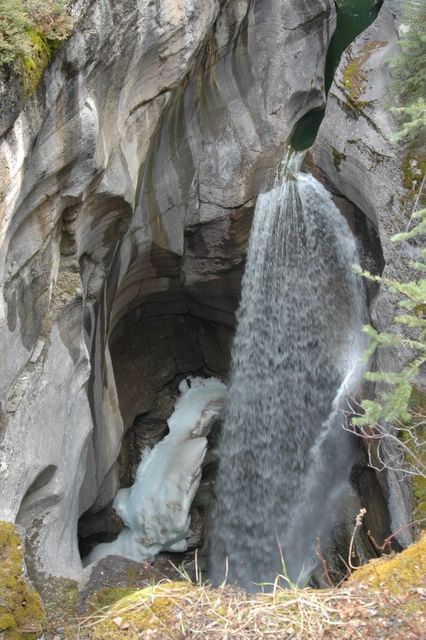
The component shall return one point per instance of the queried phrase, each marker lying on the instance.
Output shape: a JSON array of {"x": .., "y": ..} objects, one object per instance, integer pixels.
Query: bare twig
[
  {"x": 387, "y": 541},
  {"x": 323, "y": 563},
  {"x": 358, "y": 524}
]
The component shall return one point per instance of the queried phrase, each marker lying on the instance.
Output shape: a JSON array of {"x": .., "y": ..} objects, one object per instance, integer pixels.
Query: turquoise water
[
  {"x": 353, "y": 17},
  {"x": 306, "y": 130}
]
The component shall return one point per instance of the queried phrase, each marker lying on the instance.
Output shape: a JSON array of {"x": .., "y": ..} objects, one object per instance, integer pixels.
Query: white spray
[{"x": 284, "y": 458}]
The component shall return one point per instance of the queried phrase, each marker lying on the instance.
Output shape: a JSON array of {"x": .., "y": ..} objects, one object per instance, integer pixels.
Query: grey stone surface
[
  {"x": 354, "y": 146},
  {"x": 358, "y": 158}
]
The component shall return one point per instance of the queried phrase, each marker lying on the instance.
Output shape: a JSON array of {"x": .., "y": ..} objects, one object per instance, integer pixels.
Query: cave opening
[
  {"x": 150, "y": 359},
  {"x": 169, "y": 333}
]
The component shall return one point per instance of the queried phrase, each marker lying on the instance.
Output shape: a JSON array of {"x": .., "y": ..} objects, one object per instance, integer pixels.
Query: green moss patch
[
  {"x": 107, "y": 597},
  {"x": 338, "y": 157},
  {"x": 153, "y": 609},
  {"x": 354, "y": 79},
  {"x": 31, "y": 67},
  {"x": 398, "y": 573},
  {"x": 21, "y": 611},
  {"x": 354, "y": 76}
]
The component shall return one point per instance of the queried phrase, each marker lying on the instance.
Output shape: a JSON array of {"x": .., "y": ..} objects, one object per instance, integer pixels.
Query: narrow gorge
[{"x": 183, "y": 198}]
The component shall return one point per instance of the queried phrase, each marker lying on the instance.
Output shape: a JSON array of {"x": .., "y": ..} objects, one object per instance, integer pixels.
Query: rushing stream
[
  {"x": 284, "y": 457},
  {"x": 155, "y": 509}
]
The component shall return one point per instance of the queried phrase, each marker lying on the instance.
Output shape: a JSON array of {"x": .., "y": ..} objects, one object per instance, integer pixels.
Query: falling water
[{"x": 284, "y": 456}]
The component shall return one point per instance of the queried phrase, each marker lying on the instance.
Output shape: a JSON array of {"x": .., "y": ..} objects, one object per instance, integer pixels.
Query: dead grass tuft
[
  {"x": 181, "y": 610},
  {"x": 177, "y": 610}
]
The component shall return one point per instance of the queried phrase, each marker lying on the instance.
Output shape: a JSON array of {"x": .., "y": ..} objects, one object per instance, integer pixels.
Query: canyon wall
[{"x": 128, "y": 183}]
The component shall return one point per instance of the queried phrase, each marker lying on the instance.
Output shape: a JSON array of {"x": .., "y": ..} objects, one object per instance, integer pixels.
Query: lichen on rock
[
  {"x": 338, "y": 157},
  {"x": 413, "y": 172},
  {"x": 354, "y": 75}
]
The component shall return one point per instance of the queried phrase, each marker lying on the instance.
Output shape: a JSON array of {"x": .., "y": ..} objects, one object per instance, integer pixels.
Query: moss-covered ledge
[
  {"x": 21, "y": 610},
  {"x": 382, "y": 599},
  {"x": 396, "y": 573}
]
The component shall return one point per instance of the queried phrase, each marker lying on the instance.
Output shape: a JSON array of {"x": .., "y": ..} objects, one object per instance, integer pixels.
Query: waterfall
[{"x": 284, "y": 456}]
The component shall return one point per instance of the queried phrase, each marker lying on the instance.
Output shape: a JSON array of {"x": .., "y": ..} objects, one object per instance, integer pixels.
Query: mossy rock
[
  {"x": 107, "y": 597},
  {"x": 418, "y": 481},
  {"x": 354, "y": 76},
  {"x": 419, "y": 491},
  {"x": 155, "y": 610},
  {"x": 178, "y": 610},
  {"x": 31, "y": 67},
  {"x": 397, "y": 573},
  {"x": 21, "y": 610},
  {"x": 59, "y": 597},
  {"x": 338, "y": 157}
]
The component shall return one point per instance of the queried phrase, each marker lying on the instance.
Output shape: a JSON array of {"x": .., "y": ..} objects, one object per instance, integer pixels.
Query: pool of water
[{"x": 353, "y": 17}]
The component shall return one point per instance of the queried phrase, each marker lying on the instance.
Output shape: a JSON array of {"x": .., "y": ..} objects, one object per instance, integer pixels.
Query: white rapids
[{"x": 155, "y": 509}]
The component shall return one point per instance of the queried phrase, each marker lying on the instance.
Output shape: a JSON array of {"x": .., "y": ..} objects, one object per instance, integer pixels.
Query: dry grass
[
  {"x": 179, "y": 610},
  {"x": 174, "y": 611},
  {"x": 366, "y": 608}
]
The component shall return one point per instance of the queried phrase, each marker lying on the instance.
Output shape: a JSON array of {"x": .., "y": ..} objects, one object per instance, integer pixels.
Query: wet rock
[
  {"x": 114, "y": 574},
  {"x": 358, "y": 158}
]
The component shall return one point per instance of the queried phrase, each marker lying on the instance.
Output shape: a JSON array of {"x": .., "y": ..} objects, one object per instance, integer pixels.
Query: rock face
[
  {"x": 354, "y": 144},
  {"x": 128, "y": 183},
  {"x": 359, "y": 160}
]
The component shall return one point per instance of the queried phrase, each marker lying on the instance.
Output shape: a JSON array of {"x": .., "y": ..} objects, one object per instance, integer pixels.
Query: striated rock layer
[{"x": 127, "y": 187}]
